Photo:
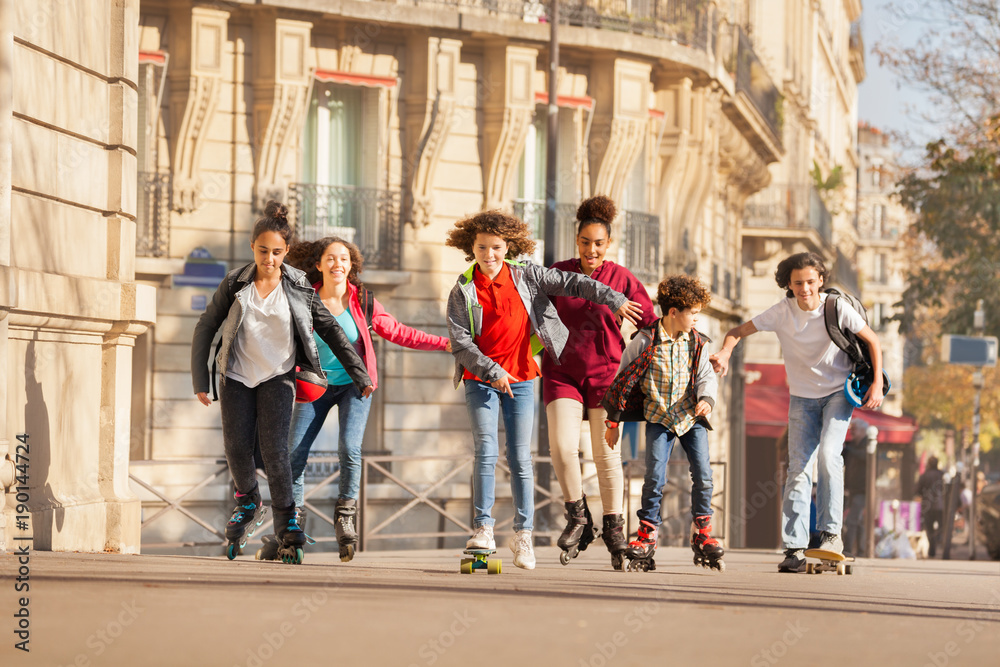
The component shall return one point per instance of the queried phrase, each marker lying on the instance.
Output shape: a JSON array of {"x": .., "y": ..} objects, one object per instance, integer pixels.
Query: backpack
[{"x": 846, "y": 339}]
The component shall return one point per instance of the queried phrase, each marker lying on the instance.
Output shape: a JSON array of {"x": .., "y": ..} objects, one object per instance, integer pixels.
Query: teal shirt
[{"x": 335, "y": 373}]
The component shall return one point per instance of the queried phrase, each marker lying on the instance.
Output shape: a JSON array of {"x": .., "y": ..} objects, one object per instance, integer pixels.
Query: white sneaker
[
  {"x": 524, "y": 554},
  {"x": 482, "y": 538}
]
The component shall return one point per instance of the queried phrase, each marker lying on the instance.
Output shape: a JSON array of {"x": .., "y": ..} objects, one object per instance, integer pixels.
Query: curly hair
[
  {"x": 306, "y": 255},
  {"x": 508, "y": 227},
  {"x": 599, "y": 210},
  {"x": 802, "y": 260},
  {"x": 275, "y": 219},
  {"x": 680, "y": 292}
]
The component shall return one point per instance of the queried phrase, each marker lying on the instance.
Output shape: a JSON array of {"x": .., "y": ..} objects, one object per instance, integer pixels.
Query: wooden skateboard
[
  {"x": 829, "y": 561},
  {"x": 480, "y": 561}
]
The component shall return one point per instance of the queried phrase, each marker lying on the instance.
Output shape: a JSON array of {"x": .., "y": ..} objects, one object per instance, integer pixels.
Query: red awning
[{"x": 766, "y": 408}]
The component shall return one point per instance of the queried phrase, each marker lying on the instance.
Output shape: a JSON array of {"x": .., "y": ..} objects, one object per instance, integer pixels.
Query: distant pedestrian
[
  {"x": 818, "y": 412},
  {"x": 267, "y": 312},
  {"x": 499, "y": 317},
  {"x": 930, "y": 488},
  {"x": 855, "y": 485}
]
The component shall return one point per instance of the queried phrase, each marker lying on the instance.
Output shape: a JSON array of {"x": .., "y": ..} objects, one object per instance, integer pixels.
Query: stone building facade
[{"x": 70, "y": 306}]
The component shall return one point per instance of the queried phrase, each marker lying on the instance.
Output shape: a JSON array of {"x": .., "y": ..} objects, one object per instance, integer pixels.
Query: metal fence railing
[
  {"x": 393, "y": 490},
  {"x": 367, "y": 217}
]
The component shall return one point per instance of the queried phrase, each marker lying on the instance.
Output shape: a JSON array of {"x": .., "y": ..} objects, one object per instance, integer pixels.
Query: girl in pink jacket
[{"x": 332, "y": 265}]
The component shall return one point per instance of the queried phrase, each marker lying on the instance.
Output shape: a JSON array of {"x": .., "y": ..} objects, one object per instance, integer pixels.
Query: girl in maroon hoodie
[
  {"x": 332, "y": 266},
  {"x": 573, "y": 389}
]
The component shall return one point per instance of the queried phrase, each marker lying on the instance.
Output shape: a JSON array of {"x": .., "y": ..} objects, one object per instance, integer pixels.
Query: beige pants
[{"x": 565, "y": 418}]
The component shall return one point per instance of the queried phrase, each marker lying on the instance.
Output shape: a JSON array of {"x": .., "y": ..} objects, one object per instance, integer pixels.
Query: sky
[{"x": 884, "y": 100}]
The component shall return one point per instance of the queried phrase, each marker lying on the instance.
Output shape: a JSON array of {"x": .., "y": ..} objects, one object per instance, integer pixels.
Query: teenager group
[{"x": 299, "y": 311}]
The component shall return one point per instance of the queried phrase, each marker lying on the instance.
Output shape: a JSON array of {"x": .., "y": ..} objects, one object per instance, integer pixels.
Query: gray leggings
[{"x": 262, "y": 413}]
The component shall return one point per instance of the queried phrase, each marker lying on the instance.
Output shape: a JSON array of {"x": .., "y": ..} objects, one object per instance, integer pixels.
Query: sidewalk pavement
[{"x": 414, "y": 608}]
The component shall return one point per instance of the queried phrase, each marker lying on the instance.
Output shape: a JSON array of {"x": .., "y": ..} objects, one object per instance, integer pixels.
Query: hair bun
[
  {"x": 276, "y": 209},
  {"x": 600, "y": 208}
]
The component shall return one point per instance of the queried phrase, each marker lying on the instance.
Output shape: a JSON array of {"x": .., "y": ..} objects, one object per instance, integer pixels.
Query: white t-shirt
[
  {"x": 815, "y": 366},
  {"x": 264, "y": 347}
]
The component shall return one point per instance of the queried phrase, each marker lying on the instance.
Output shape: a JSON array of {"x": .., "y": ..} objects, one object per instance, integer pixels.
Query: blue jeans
[
  {"x": 307, "y": 420},
  {"x": 817, "y": 428},
  {"x": 485, "y": 405},
  {"x": 659, "y": 443}
]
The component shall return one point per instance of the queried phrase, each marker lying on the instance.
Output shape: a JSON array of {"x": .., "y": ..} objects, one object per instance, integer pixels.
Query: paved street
[{"x": 414, "y": 608}]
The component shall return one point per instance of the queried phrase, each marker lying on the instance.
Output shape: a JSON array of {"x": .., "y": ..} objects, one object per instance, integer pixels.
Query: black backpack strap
[
  {"x": 837, "y": 335},
  {"x": 215, "y": 364},
  {"x": 368, "y": 306}
]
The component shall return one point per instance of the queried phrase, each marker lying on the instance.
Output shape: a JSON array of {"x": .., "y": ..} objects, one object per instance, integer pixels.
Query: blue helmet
[{"x": 857, "y": 385}]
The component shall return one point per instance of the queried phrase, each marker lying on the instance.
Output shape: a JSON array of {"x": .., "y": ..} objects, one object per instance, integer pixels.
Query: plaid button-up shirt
[{"x": 666, "y": 385}]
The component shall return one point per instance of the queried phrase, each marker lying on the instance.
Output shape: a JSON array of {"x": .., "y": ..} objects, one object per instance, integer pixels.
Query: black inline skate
[
  {"x": 289, "y": 534},
  {"x": 246, "y": 518},
  {"x": 344, "y": 518},
  {"x": 613, "y": 535},
  {"x": 707, "y": 550},
  {"x": 640, "y": 550},
  {"x": 269, "y": 543},
  {"x": 579, "y": 531}
]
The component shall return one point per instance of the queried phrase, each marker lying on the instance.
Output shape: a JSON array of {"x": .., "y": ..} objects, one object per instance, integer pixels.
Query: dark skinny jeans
[{"x": 264, "y": 412}]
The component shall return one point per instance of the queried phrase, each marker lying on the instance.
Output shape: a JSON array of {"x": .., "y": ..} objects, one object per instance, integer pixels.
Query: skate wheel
[
  {"x": 493, "y": 566},
  {"x": 840, "y": 569},
  {"x": 231, "y": 551},
  {"x": 809, "y": 568},
  {"x": 347, "y": 553},
  {"x": 617, "y": 561},
  {"x": 720, "y": 566},
  {"x": 466, "y": 566},
  {"x": 848, "y": 569},
  {"x": 564, "y": 558}
]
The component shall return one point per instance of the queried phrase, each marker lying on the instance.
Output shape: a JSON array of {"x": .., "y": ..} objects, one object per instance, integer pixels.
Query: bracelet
[{"x": 610, "y": 424}]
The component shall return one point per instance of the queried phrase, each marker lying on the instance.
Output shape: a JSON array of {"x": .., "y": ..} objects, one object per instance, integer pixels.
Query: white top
[
  {"x": 264, "y": 347},
  {"x": 815, "y": 366}
]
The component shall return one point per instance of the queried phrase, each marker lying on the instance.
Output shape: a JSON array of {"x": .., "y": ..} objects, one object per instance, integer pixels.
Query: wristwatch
[{"x": 610, "y": 424}]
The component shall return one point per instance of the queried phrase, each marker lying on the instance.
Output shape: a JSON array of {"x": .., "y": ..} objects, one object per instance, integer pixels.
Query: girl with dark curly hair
[
  {"x": 499, "y": 316},
  {"x": 332, "y": 266},
  {"x": 819, "y": 414},
  {"x": 573, "y": 389},
  {"x": 268, "y": 313},
  {"x": 667, "y": 381}
]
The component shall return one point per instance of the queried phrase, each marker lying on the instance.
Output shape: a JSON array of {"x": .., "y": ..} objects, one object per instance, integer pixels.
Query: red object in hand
[{"x": 308, "y": 386}]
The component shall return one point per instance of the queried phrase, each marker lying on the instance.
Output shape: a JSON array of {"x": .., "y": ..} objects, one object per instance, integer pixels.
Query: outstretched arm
[{"x": 720, "y": 360}]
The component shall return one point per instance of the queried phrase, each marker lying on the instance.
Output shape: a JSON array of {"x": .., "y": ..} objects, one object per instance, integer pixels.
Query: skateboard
[
  {"x": 479, "y": 561},
  {"x": 829, "y": 561}
]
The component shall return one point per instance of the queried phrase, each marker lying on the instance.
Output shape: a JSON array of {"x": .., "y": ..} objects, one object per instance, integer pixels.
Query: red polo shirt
[{"x": 506, "y": 336}]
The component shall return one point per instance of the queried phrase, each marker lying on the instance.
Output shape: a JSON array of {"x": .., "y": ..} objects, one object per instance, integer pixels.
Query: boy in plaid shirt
[{"x": 665, "y": 380}]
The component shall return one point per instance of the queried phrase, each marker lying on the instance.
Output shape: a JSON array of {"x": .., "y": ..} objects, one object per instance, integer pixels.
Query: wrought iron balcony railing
[
  {"x": 753, "y": 80},
  {"x": 688, "y": 22},
  {"x": 152, "y": 232},
  {"x": 789, "y": 207},
  {"x": 642, "y": 245},
  {"x": 367, "y": 217},
  {"x": 532, "y": 211}
]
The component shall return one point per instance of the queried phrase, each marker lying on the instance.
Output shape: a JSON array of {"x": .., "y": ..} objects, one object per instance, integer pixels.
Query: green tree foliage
[
  {"x": 955, "y": 238},
  {"x": 941, "y": 396}
]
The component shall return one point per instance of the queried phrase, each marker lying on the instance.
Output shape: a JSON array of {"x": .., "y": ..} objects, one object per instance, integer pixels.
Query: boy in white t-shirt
[{"x": 818, "y": 412}]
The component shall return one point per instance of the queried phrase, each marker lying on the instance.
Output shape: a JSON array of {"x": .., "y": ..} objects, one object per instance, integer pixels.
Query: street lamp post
[
  {"x": 870, "y": 469},
  {"x": 978, "y": 323}
]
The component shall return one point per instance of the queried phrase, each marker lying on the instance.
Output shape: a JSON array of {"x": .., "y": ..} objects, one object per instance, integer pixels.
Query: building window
[
  {"x": 880, "y": 272},
  {"x": 878, "y": 214},
  {"x": 338, "y": 194}
]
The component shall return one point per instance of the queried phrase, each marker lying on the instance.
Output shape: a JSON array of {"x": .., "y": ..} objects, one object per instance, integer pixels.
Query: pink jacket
[{"x": 386, "y": 326}]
